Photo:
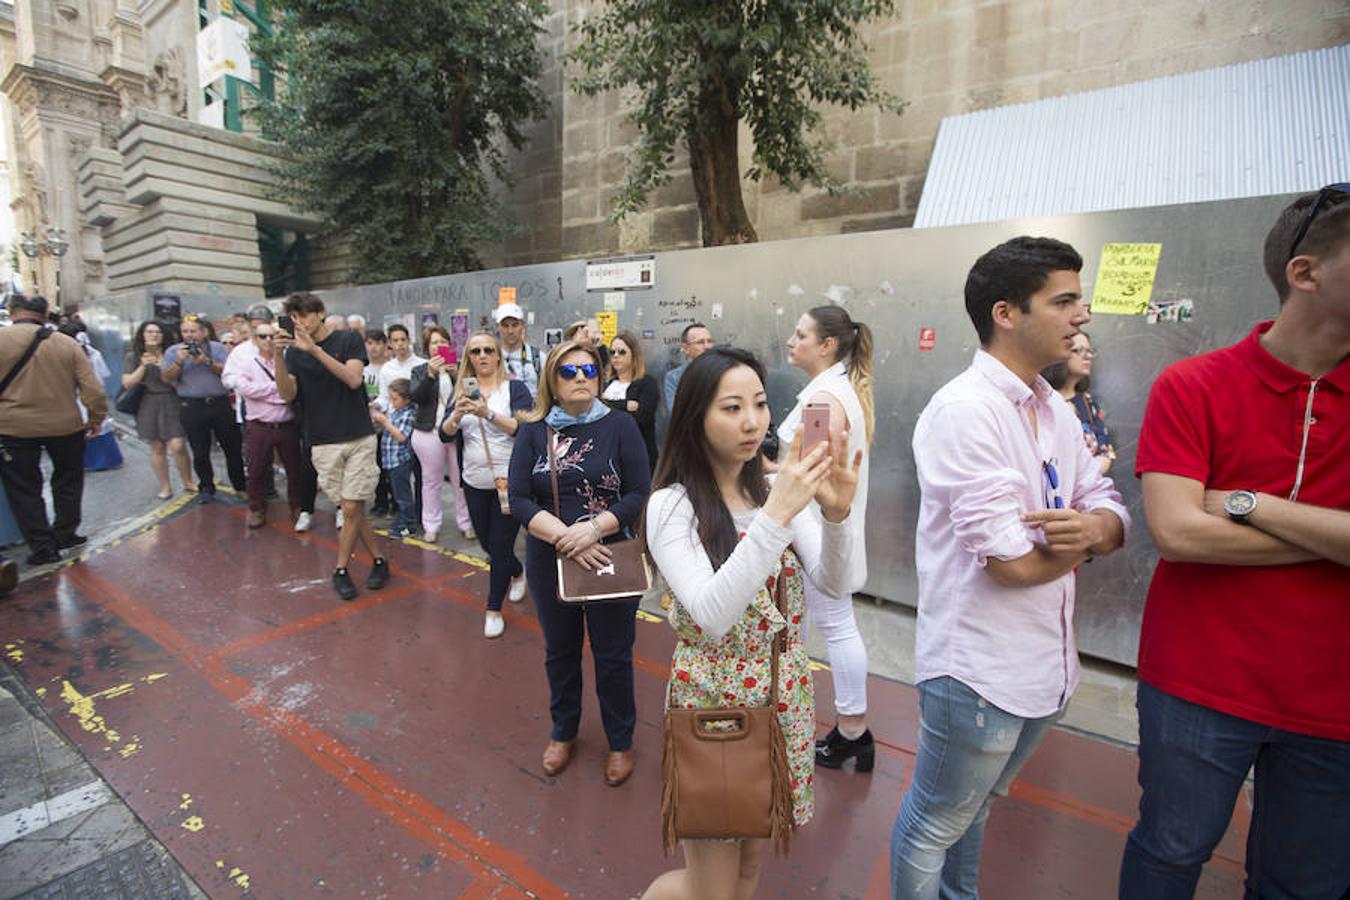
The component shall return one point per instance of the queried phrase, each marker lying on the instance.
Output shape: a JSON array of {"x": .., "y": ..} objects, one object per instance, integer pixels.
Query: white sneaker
[
  {"x": 517, "y": 592},
  {"x": 302, "y": 522},
  {"x": 430, "y": 537},
  {"x": 493, "y": 625},
  {"x": 339, "y": 520}
]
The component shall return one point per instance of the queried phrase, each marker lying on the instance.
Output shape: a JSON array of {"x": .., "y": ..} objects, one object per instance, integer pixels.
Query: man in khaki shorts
[{"x": 322, "y": 369}]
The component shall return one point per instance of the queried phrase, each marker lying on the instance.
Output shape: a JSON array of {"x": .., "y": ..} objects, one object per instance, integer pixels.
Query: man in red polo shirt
[{"x": 1244, "y": 658}]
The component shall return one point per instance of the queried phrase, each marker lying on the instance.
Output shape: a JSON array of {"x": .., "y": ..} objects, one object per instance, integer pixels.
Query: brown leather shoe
[
  {"x": 618, "y": 766},
  {"x": 256, "y": 518},
  {"x": 557, "y": 755}
]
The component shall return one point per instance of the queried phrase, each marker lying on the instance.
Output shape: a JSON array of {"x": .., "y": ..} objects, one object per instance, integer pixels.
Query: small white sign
[
  {"x": 717, "y": 310},
  {"x": 624, "y": 273},
  {"x": 614, "y": 300},
  {"x": 222, "y": 49}
]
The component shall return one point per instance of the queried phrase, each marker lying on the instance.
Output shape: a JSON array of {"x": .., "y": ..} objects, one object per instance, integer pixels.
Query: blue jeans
[
  {"x": 1193, "y": 761},
  {"x": 969, "y": 752},
  {"x": 401, "y": 486}
]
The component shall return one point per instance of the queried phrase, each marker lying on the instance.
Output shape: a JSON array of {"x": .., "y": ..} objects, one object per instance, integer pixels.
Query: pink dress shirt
[
  {"x": 255, "y": 381},
  {"x": 980, "y": 469}
]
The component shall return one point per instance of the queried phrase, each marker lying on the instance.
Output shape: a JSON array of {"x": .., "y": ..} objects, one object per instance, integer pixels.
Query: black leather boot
[{"x": 833, "y": 750}]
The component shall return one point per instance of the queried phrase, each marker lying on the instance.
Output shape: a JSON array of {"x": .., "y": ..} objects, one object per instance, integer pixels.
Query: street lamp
[{"x": 55, "y": 245}]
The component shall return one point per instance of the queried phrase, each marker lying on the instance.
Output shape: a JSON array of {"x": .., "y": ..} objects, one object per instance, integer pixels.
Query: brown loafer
[
  {"x": 618, "y": 766},
  {"x": 556, "y": 756},
  {"x": 256, "y": 518}
]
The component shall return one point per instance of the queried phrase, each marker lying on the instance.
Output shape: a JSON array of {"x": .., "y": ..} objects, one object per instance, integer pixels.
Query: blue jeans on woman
[
  {"x": 969, "y": 752},
  {"x": 497, "y": 536},
  {"x": 1193, "y": 761}
]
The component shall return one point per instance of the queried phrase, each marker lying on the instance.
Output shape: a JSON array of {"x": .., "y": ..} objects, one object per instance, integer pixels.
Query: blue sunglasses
[{"x": 569, "y": 372}]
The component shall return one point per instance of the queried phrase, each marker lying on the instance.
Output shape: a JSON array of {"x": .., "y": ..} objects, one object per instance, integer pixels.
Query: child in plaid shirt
[{"x": 396, "y": 452}]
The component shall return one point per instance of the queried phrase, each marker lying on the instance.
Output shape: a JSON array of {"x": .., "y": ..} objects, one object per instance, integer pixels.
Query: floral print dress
[{"x": 735, "y": 670}]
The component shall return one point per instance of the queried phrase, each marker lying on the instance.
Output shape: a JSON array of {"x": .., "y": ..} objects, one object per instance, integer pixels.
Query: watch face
[{"x": 1240, "y": 503}]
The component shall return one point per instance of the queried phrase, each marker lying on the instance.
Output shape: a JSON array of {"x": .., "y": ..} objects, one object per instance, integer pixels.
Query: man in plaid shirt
[{"x": 396, "y": 452}]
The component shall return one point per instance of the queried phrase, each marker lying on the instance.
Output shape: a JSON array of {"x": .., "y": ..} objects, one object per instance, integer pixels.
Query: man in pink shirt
[
  {"x": 1012, "y": 503},
  {"x": 269, "y": 429}
]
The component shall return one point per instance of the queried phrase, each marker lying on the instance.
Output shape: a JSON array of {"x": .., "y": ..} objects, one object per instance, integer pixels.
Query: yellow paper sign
[
  {"x": 506, "y": 295},
  {"x": 609, "y": 324},
  {"x": 1125, "y": 279}
]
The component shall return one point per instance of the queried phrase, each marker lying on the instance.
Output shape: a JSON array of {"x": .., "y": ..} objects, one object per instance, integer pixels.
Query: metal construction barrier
[{"x": 907, "y": 284}]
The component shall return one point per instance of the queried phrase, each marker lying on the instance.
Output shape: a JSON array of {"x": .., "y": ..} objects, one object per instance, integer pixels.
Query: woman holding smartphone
[
  {"x": 432, "y": 388},
  {"x": 723, "y": 538},
  {"x": 482, "y": 418},
  {"x": 157, "y": 418},
  {"x": 835, "y": 352}
]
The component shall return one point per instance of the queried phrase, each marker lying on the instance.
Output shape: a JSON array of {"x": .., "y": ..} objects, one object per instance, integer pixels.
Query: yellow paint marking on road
[
  {"x": 84, "y": 709},
  {"x": 131, "y": 748},
  {"x": 187, "y": 801},
  {"x": 236, "y": 875},
  {"x": 194, "y": 824},
  {"x": 644, "y": 616},
  {"x": 14, "y": 652}
]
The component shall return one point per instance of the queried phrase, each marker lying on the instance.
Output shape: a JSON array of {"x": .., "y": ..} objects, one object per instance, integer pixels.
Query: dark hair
[
  {"x": 684, "y": 335},
  {"x": 686, "y": 459},
  {"x": 398, "y": 327},
  {"x": 854, "y": 340},
  {"x": 402, "y": 387},
  {"x": 1329, "y": 229},
  {"x": 72, "y": 328},
  {"x": 376, "y": 334},
  {"x": 426, "y": 337},
  {"x": 166, "y": 337},
  {"x": 303, "y": 302},
  {"x": 1058, "y": 373},
  {"x": 33, "y": 304},
  {"x": 1012, "y": 272}
]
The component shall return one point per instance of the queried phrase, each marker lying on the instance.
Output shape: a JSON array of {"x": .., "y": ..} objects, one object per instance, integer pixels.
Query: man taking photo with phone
[
  {"x": 193, "y": 366},
  {"x": 324, "y": 368}
]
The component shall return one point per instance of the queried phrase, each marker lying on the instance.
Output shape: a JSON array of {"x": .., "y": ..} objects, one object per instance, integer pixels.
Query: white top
[
  {"x": 717, "y": 600},
  {"x": 980, "y": 468},
  {"x": 393, "y": 369},
  {"x": 834, "y": 381},
  {"x": 616, "y": 390},
  {"x": 445, "y": 389},
  {"x": 476, "y": 470}
]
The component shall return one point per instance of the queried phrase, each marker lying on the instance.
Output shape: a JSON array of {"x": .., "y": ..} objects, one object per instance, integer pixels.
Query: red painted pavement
[{"x": 284, "y": 744}]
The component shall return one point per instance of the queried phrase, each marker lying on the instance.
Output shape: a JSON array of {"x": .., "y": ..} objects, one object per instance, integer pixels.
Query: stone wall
[{"x": 946, "y": 57}]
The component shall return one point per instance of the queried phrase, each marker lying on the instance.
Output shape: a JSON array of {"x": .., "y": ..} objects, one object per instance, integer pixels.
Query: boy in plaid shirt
[{"x": 396, "y": 452}]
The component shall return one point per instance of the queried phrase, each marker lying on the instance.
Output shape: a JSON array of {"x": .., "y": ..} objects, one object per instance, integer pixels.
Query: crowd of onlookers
[{"x": 1241, "y": 456}]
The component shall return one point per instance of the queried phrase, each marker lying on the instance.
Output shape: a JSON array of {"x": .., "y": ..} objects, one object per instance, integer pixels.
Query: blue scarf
[{"x": 560, "y": 418}]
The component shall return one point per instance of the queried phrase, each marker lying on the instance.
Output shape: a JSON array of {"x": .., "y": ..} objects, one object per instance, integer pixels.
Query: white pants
[{"x": 833, "y": 618}]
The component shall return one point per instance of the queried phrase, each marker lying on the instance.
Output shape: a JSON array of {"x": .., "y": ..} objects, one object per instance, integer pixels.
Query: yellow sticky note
[
  {"x": 1125, "y": 279},
  {"x": 609, "y": 324},
  {"x": 505, "y": 295}
]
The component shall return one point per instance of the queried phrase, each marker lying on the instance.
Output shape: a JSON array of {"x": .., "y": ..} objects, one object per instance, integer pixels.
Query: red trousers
[{"x": 261, "y": 441}]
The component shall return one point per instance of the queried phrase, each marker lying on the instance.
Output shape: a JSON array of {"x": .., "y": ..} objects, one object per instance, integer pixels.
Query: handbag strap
[
  {"x": 551, "y": 437},
  {"x": 779, "y": 639},
  {"x": 13, "y": 373}
]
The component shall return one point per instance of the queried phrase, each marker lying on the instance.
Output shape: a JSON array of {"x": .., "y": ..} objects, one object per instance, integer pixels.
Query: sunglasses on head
[
  {"x": 569, "y": 371},
  {"x": 482, "y": 351},
  {"x": 1322, "y": 202}
]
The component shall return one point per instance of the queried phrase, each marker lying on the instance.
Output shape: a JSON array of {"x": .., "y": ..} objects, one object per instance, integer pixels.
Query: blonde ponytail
[{"x": 855, "y": 346}]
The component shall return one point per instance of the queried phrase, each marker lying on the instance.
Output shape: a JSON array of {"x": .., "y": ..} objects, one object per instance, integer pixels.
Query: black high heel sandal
[{"x": 833, "y": 750}]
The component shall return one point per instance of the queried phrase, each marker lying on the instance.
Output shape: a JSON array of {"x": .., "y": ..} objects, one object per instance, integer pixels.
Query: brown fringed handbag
[{"x": 724, "y": 772}]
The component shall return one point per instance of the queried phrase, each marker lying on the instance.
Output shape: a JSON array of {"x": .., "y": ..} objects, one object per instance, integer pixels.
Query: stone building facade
[{"x": 945, "y": 57}]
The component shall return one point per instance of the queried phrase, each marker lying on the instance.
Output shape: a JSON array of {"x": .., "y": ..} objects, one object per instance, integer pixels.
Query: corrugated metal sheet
[{"x": 1274, "y": 126}]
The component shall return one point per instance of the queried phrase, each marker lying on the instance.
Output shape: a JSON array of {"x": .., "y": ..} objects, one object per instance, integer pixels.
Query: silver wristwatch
[{"x": 1239, "y": 505}]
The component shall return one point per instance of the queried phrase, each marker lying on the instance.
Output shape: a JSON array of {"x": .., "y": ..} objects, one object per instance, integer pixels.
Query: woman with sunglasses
[
  {"x": 482, "y": 421},
  {"x": 632, "y": 390},
  {"x": 1070, "y": 378},
  {"x": 432, "y": 387},
  {"x": 157, "y": 418},
  {"x": 603, "y": 480}
]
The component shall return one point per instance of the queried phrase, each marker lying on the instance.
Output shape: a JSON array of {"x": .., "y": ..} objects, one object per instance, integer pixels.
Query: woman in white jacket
[{"x": 836, "y": 352}]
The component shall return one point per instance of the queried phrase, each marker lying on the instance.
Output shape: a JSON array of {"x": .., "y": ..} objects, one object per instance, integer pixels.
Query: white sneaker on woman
[
  {"x": 302, "y": 522},
  {"x": 339, "y": 520},
  {"x": 517, "y": 592},
  {"x": 493, "y": 625},
  {"x": 430, "y": 537}
]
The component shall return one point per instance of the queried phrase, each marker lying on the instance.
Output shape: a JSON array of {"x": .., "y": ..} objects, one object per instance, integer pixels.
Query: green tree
[
  {"x": 397, "y": 120},
  {"x": 700, "y": 67}
]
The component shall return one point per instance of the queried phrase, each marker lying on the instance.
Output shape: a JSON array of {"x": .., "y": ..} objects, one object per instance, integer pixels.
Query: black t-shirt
[{"x": 330, "y": 412}]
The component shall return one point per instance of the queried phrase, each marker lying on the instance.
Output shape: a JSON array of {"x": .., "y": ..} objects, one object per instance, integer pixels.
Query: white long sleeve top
[{"x": 716, "y": 600}]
